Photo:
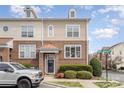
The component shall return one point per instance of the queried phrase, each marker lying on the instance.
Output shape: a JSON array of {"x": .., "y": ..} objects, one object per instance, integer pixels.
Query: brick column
[
  {"x": 5, "y": 54},
  {"x": 41, "y": 62},
  {"x": 56, "y": 62}
]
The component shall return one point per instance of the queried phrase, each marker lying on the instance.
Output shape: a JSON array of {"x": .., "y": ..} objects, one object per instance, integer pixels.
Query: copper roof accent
[
  {"x": 49, "y": 46},
  {"x": 4, "y": 40}
]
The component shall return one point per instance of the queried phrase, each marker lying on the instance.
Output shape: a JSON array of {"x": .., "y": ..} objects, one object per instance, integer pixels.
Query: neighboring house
[
  {"x": 46, "y": 43},
  {"x": 116, "y": 56},
  {"x": 102, "y": 57}
]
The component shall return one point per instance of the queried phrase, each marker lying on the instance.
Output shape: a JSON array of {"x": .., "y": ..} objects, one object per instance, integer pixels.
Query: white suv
[{"x": 16, "y": 74}]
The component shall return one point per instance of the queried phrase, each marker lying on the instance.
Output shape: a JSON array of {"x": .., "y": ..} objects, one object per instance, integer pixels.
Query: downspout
[
  {"x": 87, "y": 40},
  {"x": 42, "y": 28}
]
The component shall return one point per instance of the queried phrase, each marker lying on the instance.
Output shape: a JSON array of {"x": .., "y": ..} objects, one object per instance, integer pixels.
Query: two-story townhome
[{"x": 46, "y": 43}]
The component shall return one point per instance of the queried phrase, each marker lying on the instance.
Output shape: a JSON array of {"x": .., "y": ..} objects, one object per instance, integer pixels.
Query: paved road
[
  {"x": 42, "y": 85},
  {"x": 118, "y": 76}
]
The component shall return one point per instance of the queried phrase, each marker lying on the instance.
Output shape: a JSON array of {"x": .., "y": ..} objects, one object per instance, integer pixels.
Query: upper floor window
[
  {"x": 50, "y": 31},
  {"x": 72, "y": 13},
  {"x": 27, "y": 51},
  {"x": 72, "y": 51},
  {"x": 27, "y": 31},
  {"x": 5, "y": 28},
  {"x": 72, "y": 30}
]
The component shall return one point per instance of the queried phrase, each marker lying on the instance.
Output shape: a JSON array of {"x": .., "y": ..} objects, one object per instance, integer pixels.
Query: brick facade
[{"x": 40, "y": 57}]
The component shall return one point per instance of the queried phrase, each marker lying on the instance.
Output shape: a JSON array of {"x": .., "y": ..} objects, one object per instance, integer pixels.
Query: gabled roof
[
  {"x": 105, "y": 48},
  {"x": 49, "y": 46},
  {"x": 4, "y": 40},
  {"x": 116, "y": 45}
]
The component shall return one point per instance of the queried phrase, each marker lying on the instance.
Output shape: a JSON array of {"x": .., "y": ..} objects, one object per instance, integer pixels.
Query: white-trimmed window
[
  {"x": 27, "y": 51},
  {"x": 27, "y": 31},
  {"x": 72, "y": 13},
  {"x": 73, "y": 31},
  {"x": 72, "y": 51},
  {"x": 50, "y": 31}
]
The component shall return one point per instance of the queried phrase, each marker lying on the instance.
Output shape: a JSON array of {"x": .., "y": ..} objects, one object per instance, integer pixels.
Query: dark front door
[
  {"x": 1, "y": 59},
  {"x": 49, "y": 63},
  {"x": 50, "y": 66}
]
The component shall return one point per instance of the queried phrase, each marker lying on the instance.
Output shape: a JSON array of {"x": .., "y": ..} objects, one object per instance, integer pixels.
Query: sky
[{"x": 104, "y": 29}]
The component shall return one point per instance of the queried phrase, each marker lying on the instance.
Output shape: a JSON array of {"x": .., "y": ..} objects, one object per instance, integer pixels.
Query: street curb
[{"x": 53, "y": 84}]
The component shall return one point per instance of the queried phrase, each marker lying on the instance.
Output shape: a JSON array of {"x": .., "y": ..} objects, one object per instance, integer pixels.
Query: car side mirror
[{"x": 9, "y": 70}]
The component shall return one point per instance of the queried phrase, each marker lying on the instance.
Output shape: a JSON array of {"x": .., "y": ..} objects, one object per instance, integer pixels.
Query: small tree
[{"x": 96, "y": 65}]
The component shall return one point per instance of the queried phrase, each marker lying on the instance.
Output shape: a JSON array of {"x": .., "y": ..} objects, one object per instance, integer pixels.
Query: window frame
[
  {"x": 73, "y": 45},
  {"x": 48, "y": 31},
  {"x": 25, "y": 57},
  {"x": 72, "y": 30},
  {"x": 27, "y": 30},
  {"x": 70, "y": 15},
  {"x": 5, "y": 65}
]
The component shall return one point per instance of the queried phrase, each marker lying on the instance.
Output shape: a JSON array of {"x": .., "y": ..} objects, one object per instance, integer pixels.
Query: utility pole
[{"x": 106, "y": 67}]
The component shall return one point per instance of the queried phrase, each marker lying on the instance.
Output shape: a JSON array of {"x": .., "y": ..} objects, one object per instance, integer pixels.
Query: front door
[
  {"x": 1, "y": 59},
  {"x": 50, "y": 63}
]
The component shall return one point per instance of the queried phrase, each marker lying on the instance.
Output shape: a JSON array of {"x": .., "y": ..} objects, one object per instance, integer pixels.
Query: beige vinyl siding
[
  {"x": 60, "y": 30},
  {"x": 14, "y": 29}
]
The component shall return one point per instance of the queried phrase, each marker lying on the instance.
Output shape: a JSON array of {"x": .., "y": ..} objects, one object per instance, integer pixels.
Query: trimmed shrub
[
  {"x": 114, "y": 66},
  {"x": 59, "y": 75},
  {"x": 27, "y": 65},
  {"x": 96, "y": 65},
  {"x": 121, "y": 68},
  {"x": 75, "y": 67},
  {"x": 70, "y": 74},
  {"x": 84, "y": 75}
]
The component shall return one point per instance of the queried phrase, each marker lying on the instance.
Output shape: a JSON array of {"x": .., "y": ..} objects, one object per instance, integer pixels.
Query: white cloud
[
  {"x": 113, "y": 8},
  {"x": 47, "y": 8},
  {"x": 18, "y": 10},
  {"x": 117, "y": 21},
  {"x": 86, "y": 7},
  {"x": 37, "y": 9},
  {"x": 105, "y": 33},
  {"x": 93, "y": 14}
]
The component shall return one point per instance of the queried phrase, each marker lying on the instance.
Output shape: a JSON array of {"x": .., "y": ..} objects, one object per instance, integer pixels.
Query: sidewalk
[{"x": 85, "y": 83}]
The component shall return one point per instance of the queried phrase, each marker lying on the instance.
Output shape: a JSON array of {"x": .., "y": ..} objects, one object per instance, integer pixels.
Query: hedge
[
  {"x": 84, "y": 75},
  {"x": 96, "y": 65},
  {"x": 27, "y": 65},
  {"x": 75, "y": 67},
  {"x": 70, "y": 74}
]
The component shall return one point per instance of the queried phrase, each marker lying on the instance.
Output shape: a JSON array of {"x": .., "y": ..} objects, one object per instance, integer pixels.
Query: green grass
[
  {"x": 107, "y": 84},
  {"x": 69, "y": 84}
]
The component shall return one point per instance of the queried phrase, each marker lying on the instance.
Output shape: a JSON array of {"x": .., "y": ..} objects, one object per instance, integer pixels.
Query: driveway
[
  {"x": 42, "y": 85},
  {"x": 118, "y": 76}
]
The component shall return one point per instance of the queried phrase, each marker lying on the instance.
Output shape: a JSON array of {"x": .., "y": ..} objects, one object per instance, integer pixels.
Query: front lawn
[
  {"x": 69, "y": 84},
  {"x": 107, "y": 84}
]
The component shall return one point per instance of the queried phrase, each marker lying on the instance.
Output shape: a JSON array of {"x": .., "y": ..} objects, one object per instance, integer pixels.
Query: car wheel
[{"x": 24, "y": 83}]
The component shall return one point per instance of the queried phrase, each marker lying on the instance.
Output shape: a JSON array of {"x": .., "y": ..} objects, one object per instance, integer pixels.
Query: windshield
[{"x": 18, "y": 66}]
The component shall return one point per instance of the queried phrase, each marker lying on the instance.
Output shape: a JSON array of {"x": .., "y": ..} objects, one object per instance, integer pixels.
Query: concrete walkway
[{"x": 85, "y": 83}]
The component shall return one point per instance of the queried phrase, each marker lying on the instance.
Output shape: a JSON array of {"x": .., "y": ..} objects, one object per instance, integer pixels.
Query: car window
[
  {"x": 18, "y": 66},
  {"x": 4, "y": 66}
]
